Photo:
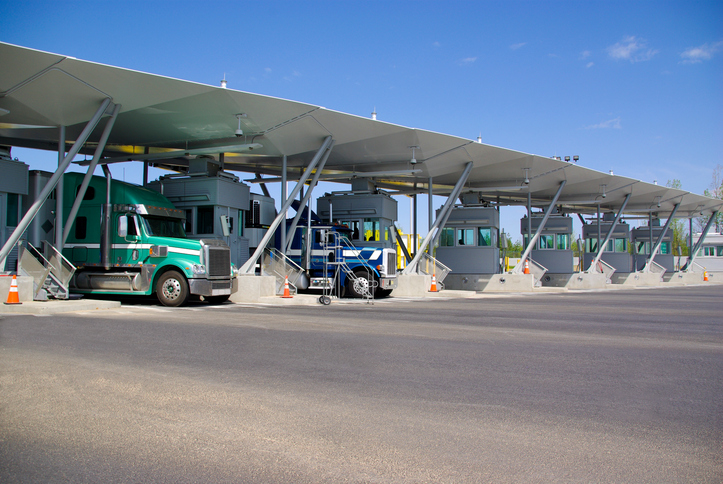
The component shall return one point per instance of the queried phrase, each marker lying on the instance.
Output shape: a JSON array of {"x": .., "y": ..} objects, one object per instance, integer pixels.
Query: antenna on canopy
[{"x": 223, "y": 81}]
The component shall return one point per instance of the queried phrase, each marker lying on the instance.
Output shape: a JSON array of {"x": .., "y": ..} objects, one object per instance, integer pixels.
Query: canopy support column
[
  {"x": 441, "y": 219},
  {"x": 283, "y": 198},
  {"x": 59, "y": 193},
  {"x": 305, "y": 201},
  {"x": 430, "y": 203},
  {"x": 533, "y": 240},
  {"x": 249, "y": 266},
  {"x": 601, "y": 247},
  {"x": 91, "y": 168},
  {"x": 33, "y": 210},
  {"x": 701, "y": 239},
  {"x": 659, "y": 241}
]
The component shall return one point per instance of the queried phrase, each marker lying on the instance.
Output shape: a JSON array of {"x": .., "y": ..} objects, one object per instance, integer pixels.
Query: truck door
[{"x": 126, "y": 240}]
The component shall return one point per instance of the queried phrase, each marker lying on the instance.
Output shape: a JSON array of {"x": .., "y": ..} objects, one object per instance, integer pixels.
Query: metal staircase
[
  {"x": 364, "y": 285},
  {"x": 276, "y": 264},
  {"x": 432, "y": 267},
  {"x": 51, "y": 272}
]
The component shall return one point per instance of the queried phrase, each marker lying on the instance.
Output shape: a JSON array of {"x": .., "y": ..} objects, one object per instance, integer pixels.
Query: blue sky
[{"x": 633, "y": 87}]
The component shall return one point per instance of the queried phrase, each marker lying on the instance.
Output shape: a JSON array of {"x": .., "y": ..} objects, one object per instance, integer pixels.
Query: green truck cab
[{"x": 134, "y": 242}]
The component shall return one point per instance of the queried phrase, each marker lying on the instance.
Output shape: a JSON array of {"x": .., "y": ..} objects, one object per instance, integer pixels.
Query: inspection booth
[
  {"x": 468, "y": 246},
  {"x": 616, "y": 252},
  {"x": 368, "y": 213},
  {"x": 642, "y": 244},
  {"x": 553, "y": 249},
  {"x": 215, "y": 203},
  {"x": 13, "y": 191}
]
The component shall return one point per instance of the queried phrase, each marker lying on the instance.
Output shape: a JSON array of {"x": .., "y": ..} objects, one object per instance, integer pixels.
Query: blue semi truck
[{"x": 334, "y": 263}]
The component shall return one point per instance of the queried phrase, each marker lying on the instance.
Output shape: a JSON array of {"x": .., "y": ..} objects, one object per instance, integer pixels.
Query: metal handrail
[
  {"x": 538, "y": 271},
  {"x": 430, "y": 266},
  {"x": 603, "y": 267},
  {"x": 276, "y": 263}
]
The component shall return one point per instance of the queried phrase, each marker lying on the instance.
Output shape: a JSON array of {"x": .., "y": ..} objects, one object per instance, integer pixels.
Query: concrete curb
[{"x": 57, "y": 306}]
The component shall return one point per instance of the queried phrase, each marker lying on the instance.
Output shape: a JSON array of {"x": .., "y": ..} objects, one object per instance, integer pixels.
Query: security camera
[
  {"x": 239, "y": 133},
  {"x": 604, "y": 195}
]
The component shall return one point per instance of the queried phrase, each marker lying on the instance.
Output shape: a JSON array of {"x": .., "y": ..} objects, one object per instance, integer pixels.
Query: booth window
[
  {"x": 665, "y": 248},
  {"x": 354, "y": 226},
  {"x": 371, "y": 229},
  {"x": 546, "y": 242},
  {"x": 241, "y": 220},
  {"x": 484, "y": 237},
  {"x": 12, "y": 210},
  {"x": 563, "y": 241},
  {"x": 204, "y": 220},
  {"x": 621, "y": 245},
  {"x": 465, "y": 236},
  {"x": 719, "y": 250},
  {"x": 447, "y": 238}
]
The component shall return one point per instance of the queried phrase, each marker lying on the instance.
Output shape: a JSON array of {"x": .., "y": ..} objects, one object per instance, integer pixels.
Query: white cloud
[
  {"x": 518, "y": 45},
  {"x": 585, "y": 54},
  {"x": 632, "y": 49},
  {"x": 609, "y": 124},
  {"x": 468, "y": 60},
  {"x": 436, "y": 45},
  {"x": 589, "y": 65},
  {"x": 706, "y": 51}
]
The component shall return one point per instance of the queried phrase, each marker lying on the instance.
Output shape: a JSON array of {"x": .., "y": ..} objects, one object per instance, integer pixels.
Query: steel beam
[
  {"x": 703, "y": 235},
  {"x": 33, "y": 210},
  {"x": 601, "y": 247},
  {"x": 91, "y": 168},
  {"x": 249, "y": 266},
  {"x": 59, "y": 193},
  {"x": 438, "y": 223},
  {"x": 283, "y": 197},
  {"x": 305, "y": 201},
  {"x": 533, "y": 240},
  {"x": 654, "y": 250}
]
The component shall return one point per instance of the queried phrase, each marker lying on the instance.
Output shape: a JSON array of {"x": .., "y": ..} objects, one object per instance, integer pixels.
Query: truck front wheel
[
  {"x": 172, "y": 289},
  {"x": 361, "y": 286}
]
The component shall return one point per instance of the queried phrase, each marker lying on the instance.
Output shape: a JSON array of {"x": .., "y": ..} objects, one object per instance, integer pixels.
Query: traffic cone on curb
[
  {"x": 434, "y": 283},
  {"x": 705, "y": 276},
  {"x": 287, "y": 293},
  {"x": 13, "y": 297},
  {"x": 527, "y": 266}
]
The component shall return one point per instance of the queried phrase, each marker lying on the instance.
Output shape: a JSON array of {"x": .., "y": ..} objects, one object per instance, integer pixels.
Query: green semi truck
[{"x": 134, "y": 242}]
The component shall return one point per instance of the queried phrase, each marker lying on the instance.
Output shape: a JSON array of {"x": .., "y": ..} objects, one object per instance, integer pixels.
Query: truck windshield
[{"x": 164, "y": 227}]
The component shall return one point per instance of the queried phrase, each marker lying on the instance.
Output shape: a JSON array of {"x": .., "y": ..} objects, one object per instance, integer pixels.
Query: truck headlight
[{"x": 199, "y": 269}]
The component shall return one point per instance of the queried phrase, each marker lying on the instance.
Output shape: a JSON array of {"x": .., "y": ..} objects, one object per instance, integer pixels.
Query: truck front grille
[
  {"x": 391, "y": 263},
  {"x": 218, "y": 261}
]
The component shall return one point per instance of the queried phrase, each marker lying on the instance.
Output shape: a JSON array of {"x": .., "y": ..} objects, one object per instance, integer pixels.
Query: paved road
[{"x": 620, "y": 386}]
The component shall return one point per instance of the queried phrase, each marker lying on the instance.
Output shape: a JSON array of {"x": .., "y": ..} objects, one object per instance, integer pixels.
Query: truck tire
[
  {"x": 172, "y": 289},
  {"x": 216, "y": 299},
  {"x": 364, "y": 278}
]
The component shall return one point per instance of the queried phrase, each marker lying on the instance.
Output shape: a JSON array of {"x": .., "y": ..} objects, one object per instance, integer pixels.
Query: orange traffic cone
[
  {"x": 527, "y": 266},
  {"x": 705, "y": 276},
  {"x": 13, "y": 293},
  {"x": 434, "y": 283},
  {"x": 287, "y": 293}
]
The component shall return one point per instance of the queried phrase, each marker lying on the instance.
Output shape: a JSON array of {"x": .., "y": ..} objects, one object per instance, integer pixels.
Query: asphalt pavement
[{"x": 619, "y": 386}]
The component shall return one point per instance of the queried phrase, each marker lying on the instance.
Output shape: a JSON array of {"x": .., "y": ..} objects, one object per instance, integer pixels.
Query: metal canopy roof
[{"x": 40, "y": 91}]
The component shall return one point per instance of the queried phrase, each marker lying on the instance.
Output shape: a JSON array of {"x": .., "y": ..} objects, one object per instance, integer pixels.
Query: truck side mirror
[
  {"x": 225, "y": 226},
  {"x": 123, "y": 226}
]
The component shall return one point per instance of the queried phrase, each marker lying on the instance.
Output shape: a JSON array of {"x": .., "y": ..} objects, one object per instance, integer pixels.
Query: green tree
[
  {"x": 680, "y": 233},
  {"x": 714, "y": 190}
]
